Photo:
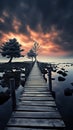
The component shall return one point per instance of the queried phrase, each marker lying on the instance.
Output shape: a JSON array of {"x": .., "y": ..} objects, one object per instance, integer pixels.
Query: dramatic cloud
[{"x": 49, "y": 22}]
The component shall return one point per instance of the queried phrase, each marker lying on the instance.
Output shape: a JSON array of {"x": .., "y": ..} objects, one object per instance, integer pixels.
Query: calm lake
[{"x": 64, "y": 103}]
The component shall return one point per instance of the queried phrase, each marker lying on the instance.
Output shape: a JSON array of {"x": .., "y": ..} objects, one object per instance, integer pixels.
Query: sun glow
[{"x": 47, "y": 46}]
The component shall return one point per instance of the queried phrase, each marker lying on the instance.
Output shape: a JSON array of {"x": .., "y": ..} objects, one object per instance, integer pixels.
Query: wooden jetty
[{"x": 36, "y": 109}]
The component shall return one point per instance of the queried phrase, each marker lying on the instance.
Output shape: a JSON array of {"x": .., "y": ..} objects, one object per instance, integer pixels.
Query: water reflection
[{"x": 65, "y": 103}]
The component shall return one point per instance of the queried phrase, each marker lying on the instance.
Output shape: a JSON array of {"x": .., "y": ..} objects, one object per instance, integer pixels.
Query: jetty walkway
[{"x": 36, "y": 109}]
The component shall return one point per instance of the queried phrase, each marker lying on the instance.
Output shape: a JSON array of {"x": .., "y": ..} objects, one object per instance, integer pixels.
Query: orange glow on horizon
[{"x": 47, "y": 47}]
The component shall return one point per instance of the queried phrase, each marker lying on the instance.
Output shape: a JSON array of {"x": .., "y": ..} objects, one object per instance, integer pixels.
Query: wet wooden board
[
  {"x": 37, "y": 98},
  {"x": 37, "y": 84},
  {"x": 40, "y": 103},
  {"x": 40, "y": 114},
  {"x": 36, "y": 88},
  {"x": 36, "y": 122},
  {"x": 34, "y": 91},
  {"x": 36, "y": 109},
  {"x": 44, "y": 92},
  {"x": 20, "y": 128},
  {"x": 26, "y": 103},
  {"x": 36, "y": 95},
  {"x": 36, "y": 81}
]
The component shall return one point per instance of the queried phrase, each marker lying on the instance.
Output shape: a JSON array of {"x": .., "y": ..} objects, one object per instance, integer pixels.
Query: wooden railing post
[
  {"x": 50, "y": 78},
  {"x": 13, "y": 96}
]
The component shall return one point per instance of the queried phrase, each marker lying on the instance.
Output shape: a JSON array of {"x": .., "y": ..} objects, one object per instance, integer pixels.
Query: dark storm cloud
[{"x": 47, "y": 13}]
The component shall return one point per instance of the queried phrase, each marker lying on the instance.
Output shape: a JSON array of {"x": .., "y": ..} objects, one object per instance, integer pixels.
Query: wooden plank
[
  {"x": 39, "y": 92},
  {"x": 37, "y": 98},
  {"x": 36, "y": 95},
  {"x": 36, "y": 82},
  {"x": 37, "y": 123},
  {"x": 40, "y": 103},
  {"x": 47, "y": 92},
  {"x": 37, "y": 115},
  {"x": 20, "y": 128},
  {"x": 36, "y": 78},
  {"x": 36, "y": 108},
  {"x": 29, "y": 85},
  {"x": 36, "y": 88},
  {"x": 36, "y": 85}
]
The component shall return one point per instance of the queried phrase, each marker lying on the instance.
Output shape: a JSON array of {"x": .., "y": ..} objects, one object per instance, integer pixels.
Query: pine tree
[{"x": 11, "y": 49}]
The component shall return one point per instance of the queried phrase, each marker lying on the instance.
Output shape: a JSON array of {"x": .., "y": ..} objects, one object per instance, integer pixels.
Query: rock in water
[
  {"x": 68, "y": 92},
  {"x": 61, "y": 78},
  {"x": 62, "y": 73},
  {"x": 72, "y": 83}
]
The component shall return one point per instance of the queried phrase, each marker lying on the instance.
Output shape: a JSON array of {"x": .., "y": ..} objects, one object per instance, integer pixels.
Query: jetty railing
[{"x": 13, "y": 95}]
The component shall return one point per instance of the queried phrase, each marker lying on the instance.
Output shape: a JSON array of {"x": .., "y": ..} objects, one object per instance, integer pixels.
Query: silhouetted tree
[
  {"x": 31, "y": 54},
  {"x": 11, "y": 49}
]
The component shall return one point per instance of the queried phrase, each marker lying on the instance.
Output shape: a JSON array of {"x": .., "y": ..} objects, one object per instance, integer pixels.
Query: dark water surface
[
  {"x": 64, "y": 103},
  {"x": 6, "y": 109}
]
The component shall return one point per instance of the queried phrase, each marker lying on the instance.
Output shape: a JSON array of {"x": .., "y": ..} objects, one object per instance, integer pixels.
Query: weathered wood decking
[{"x": 36, "y": 109}]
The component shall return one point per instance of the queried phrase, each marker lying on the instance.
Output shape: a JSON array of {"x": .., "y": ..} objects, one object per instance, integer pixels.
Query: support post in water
[
  {"x": 50, "y": 81},
  {"x": 13, "y": 96},
  {"x": 50, "y": 78}
]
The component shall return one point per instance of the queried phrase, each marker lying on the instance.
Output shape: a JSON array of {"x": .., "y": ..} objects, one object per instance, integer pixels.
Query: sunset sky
[{"x": 49, "y": 22}]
